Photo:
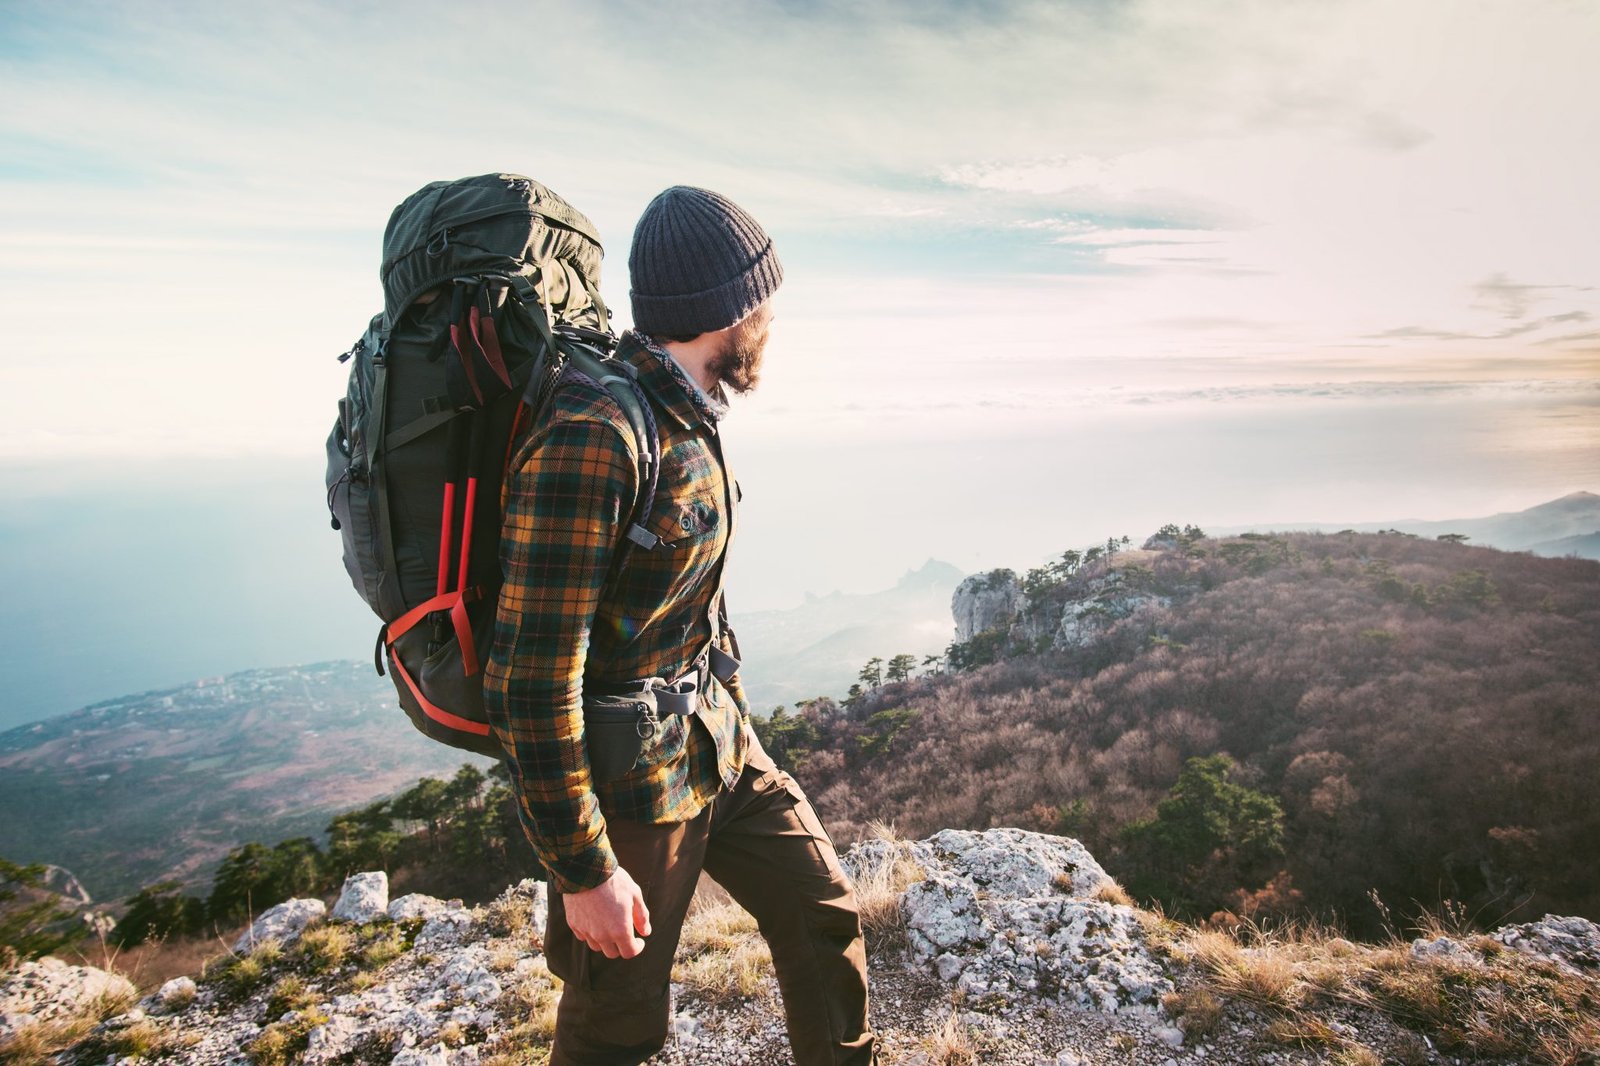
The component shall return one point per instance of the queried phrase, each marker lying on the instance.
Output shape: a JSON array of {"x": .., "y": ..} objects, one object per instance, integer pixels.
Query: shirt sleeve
[{"x": 566, "y": 504}]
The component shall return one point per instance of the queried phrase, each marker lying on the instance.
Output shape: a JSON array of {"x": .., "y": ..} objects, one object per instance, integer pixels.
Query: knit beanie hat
[{"x": 699, "y": 263}]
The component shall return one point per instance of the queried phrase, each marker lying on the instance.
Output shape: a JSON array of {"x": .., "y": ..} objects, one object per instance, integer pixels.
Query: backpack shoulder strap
[{"x": 621, "y": 381}]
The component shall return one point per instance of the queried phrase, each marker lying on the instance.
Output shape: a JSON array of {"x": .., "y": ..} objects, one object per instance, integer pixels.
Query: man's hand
[{"x": 607, "y": 916}]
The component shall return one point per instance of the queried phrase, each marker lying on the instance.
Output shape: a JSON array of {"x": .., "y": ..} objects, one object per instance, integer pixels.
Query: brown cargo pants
[{"x": 762, "y": 842}]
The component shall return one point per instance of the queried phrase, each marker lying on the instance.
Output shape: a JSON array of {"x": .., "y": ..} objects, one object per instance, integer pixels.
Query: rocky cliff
[
  {"x": 1002, "y": 946},
  {"x": 1060, "y": 614}
]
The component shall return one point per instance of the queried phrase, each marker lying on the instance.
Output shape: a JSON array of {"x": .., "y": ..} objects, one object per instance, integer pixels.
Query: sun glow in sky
[{"x": 1054, "y": 270}]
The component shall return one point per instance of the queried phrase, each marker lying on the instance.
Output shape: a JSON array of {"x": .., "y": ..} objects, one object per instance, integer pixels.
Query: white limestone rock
[
  {"x": 1572, "y": 942},
  {"x": 1012, "y": 912},
  {"x": 1446, "y": 949},
  {"x": 364, "y": 898},
  {"x": 283, "y": 923},
  {"x": 331, "y": 1040},
  {"x": 445, "y": 929},
  {"x": 985, "y": 601},
  {"x": 47, "y": 988},
  {"x": 433, "y": 1056},
  {"x": 177, "y": 993},
  {"x": 415, "y": 907}
]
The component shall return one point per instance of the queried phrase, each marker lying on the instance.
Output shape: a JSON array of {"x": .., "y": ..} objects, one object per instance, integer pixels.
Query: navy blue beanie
[{"x": 699, "y": 263}]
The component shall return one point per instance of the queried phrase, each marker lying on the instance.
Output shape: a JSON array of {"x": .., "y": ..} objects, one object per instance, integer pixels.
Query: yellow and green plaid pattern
[{"x": 568, "y": 498}]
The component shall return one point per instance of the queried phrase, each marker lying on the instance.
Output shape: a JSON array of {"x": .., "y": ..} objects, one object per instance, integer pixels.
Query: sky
[{"x": 1054, "y": 272}]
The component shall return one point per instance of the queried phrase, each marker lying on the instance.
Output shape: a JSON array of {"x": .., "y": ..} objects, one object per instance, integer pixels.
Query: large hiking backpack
[{"x": 491, "y": 301}]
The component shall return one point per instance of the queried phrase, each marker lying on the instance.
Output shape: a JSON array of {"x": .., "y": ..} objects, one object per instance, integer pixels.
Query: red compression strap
[
  {"x": 444, "y": 602},
  {"x": 446, "y": 523},
  {"x": 458, "y": 613},
  {"x": 438, "y": 714},
  {"x": 466, "y": 532}
]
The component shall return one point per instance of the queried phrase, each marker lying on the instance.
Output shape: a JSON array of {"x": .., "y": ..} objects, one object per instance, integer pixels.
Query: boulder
[
  {"x": 177, "y": 993},
  {"x": 282, "y": 923},
  {"x": 365, "y": 897},
  {"x": 47, "y": 988},
  {"x": 415, "y": 907},
  {"x": 1013, "y": 913}
]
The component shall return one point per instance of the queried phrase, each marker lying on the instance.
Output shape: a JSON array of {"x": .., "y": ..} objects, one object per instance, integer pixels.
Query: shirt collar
[{"x": 665, "y": 379}]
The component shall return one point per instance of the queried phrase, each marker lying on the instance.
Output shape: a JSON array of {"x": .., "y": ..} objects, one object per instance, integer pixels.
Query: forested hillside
[{"x": 1263, "y": 723}]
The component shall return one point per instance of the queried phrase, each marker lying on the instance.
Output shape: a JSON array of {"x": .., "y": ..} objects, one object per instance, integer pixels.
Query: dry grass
[
  {"x": 950, "y": 1044},
  {"x": 503, "y": 955},
  {"x": 1355, "y": 1055},
  {"x": 324, "y": 948},
  {"x": 384, "y": 943},
  {"x": 143, "y": 1039},
  {"x": 155, "y": 962},
  {"x": 512, "y": 916},
  {"x": 1112, "y": 893},
  {"x": 289, "y": 994},
  {"x": 39, "y": 1044},
  {"x": 1303, "y": 1030},
  {"x": 282, "y": 1042},
  {"x": 1498, "y": 1003},
  {"x": 721, "y": 956},
  {"x": 238, "y": 976},
  {"x": 535, "y": 995},
  {"x": 516, "y": 1054},
  {"x": 879, "y": 888},
  {"x": 1196, "y": 1010}
]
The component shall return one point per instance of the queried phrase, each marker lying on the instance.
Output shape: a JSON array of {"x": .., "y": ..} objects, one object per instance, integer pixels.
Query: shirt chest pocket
[{"x": 687, "y": 525}]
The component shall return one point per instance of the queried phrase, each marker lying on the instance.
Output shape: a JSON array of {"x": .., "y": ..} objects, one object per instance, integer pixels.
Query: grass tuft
[
  {"x": 1109, "y": 892},
  {"x": 282, "y": 1042},
  {"x": 878, "y": 891},
  {"x": 1195, "y": 1009},
  {"x": 950, "y": 1044},
  {"x": 289, "y": 994},
  {"x": 324, "y": 948}
]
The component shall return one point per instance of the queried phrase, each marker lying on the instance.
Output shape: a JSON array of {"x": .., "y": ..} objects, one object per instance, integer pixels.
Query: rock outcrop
[
  {"x": 1012, "y": 939},
  {"x": 1017, "y": 914},
  {"x": 46, "y": 989},
  {"x": 1067, "y": 615},
  {"x": 984, "y": 602},
  {"x": 364, "y": 897},
  {"x": 1569, "y": 942},
  {"x": 282, "y": 923}
]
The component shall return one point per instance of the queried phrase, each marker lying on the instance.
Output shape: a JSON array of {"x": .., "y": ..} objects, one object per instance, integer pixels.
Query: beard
[{"x": 738, "y": 365}]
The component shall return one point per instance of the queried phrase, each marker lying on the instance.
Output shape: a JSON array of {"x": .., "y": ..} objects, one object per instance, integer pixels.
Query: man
[{"x": 624, "y": 855}]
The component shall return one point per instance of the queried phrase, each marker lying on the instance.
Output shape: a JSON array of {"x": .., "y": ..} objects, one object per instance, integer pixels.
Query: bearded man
[{"x": 624, "y": 854}]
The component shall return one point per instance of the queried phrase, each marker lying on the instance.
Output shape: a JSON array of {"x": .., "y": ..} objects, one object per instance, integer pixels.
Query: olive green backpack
[{"x": 491, "y": 302}]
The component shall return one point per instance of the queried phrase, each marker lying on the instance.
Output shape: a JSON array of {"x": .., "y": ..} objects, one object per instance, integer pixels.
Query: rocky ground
[{"x": 998, "y": 947}]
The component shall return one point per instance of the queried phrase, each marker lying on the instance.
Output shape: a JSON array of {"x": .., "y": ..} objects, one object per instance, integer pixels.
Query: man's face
[{"x": 738, "y": 364}]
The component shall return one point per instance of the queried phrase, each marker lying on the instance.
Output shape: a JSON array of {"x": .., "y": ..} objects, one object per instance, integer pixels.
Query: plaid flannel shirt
[{"x": 568, "y": 498}]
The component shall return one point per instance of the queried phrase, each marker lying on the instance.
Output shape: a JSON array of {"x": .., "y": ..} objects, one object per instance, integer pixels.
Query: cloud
[{"x": 197, "y": 191}]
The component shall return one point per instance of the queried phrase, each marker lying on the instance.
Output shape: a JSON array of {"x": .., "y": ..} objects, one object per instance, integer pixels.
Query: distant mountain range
[{"x": 1567, "y": 526}]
